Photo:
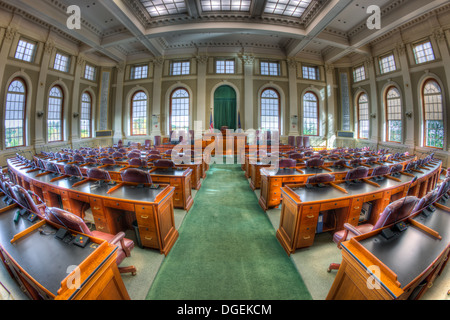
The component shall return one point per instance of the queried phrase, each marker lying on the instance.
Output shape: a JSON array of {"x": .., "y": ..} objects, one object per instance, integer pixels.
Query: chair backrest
[
  {"x": 50, "y": 166},
  {"x": 120, "y": 143},
  {"x": 154, "y": 157},
  {"x": 147, "y": 143},
  {"x": 296, "y": 156},
  {"x": 355, "y": 162},
  {"x": 396, "y": 211},
  {"x": 321, "y": 178},
  {"x": 132, "y": 155},
  {"x": 299, "y": 142},
  {"x": 96, "y": 173},
  {"x": 357, "y": 173},
  {"x": 291, "y": 141},
  {"x": 396, "y": 168},
  {"x": 72, "y": 170},
  {"x": 68, "y": 220},
  {"x": 122, "y": 150},
  {"x": 424, "y": 202},
  {"x": 135, "y": 175},
  {"x": 287, "y": 163},
  {"x": 443, "y": 187},
  {"x": 340, "y": 163},
  {"x": 380, "y": 171},
  {"x": 137, "y": 162},
  {"x": 104, "y": 154},
  {"x": 91, "y": 160},
  {"x": 154, "y": 151},
  {"x": 164, "y": 163},
  {"x": 108, "y": 161},
  {"x": 78, "y": 158},
  {"x": 306, "y": 142},
  {"x": 117, "y": 155},
  {"x": 11, "y": 191},
  {"x": 26, "y": 201},
  {"x": 315, "y": 162}
]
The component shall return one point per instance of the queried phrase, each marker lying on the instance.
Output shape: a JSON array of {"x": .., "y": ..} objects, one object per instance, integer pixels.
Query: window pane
[
  {"x": 292, "y": 8},
  {"x": 363, "y": 112},
  {"x": 434, "y": 115},
  {"x": 225, "y": 66},
  {"x": 423, "y": 52},
  {"x": 387, "y": 64},
  {"x": 270, "y": 68},
  {"x": 54, "y": 115},
  {"x": 359, "y": 74},
  {"x": 180, "y": 68},
  {"x": 15, "y": 115},
  {"x": 311, "y": 73},
  {"x": 89, "y": 72},
  {"x": 310, "y": 114},
  {"x": 180, "y": 110},
  {"x": 139, "y": 114},
  {"x": 270, "y": 110},
  {"x": 61, "y": 62},
  {"x": 86, "y": 114},
  {"x": 25, "y": 50},
  {"x": 394, "y": 115}
]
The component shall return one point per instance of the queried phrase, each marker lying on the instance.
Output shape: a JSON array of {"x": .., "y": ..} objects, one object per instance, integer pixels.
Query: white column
[
  {"x": 76, "y": 107},
  {"x": 440, "y": 37},
  {"x": 156, "y": 99},
  {"x": 408, "y": 102},
  {"x": 248, "y": 60},
  {"x": 202, "y": 63},
  {"x": 374, "y": 106},
  {"x": 332, "y": 115},
  {"x": 118, "y": 105},
  {"x": 7, "y": 37},
  {"x": 293, "y": 98}
]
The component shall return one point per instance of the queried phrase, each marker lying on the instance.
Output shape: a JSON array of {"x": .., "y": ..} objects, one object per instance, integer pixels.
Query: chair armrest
[
  {"x": 117, "y": 238},
  {"x": 352, "y": 229}
]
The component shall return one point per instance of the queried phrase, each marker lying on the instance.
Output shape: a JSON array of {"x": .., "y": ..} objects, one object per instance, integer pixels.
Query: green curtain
[{"x": 225, "y": 107}]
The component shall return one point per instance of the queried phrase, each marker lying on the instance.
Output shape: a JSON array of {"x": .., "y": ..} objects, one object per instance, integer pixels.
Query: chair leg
[
  {"x": 128, "y": 269},
  {"x": 333, "y": 266}
]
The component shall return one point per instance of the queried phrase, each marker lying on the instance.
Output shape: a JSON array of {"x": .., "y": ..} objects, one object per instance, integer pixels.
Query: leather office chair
[
  {"x": 135, "y": 175},
  {"x": 299, "y": 142},
  {"x": 136, "y": 162},
  {"x": 147, "y": 144},
  {"x": 340, "y": 163},
  {"x": 153, "y": 157},
  {"x": 395, "y": 170},
  {"x": 72, "y": 170},
  {"x": 355, "y": 163},
  {"x": 426, "y": 201},
  {"x": 157, "y": 141},
  {"x": 306, "y": 142},
  {"x": 108, "y": 161},
  {"x": 314, "y": 163},
  {"x": 393, "y": 213},
  {"x": 357, "y": 174},
  {"x": 117, "y": 155},
  {"x": 321, "y": 178},
  {"x": 164, "y": 163},
  {"x": 26, "y": 201},
  {"x": 73, "y": 222},
  {"x": 78, "y": 158},
  {"x": 154, "y": 151},
  {"x": 50, "y": 166},
  {"x": 122, "y": 150},
  {"x": 297, "y": 156},
  {"x": 132, "y": 155},
  {"x": 380, "y": 171},
  {"x": 120, "y": 144},
  {"x": 287, "y": 163},
  {"x": 98, "y": 174}
]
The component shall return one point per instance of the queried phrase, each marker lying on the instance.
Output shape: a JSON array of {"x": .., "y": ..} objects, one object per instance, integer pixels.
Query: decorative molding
[
  {"x": 247, "y": 58},
  {"x": 49, "y": 46},
  {"x": 439, "y": 34},
  {"x": 292, "y": 63},
  {"x": 201, "y": 59},
  {"x": 10, "y": 33},
  {"x": 158, "y": 61}
]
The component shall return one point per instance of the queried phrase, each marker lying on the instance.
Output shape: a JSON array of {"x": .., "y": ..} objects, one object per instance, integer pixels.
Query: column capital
[{"x": 247, "y": 58}]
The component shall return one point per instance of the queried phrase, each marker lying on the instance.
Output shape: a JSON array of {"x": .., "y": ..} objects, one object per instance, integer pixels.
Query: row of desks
[
  {"x": 302, "y": 206},
  {"x": 48, "y": 268},
  {"x": 115, "y": 207},
  {"x": 402, "y": 267}
]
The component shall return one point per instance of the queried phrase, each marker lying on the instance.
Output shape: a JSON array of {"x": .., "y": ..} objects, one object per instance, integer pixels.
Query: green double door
[{"x": 225, "y": 113}]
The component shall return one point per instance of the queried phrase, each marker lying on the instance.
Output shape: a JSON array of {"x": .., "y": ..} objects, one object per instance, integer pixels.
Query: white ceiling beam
[
  {"x": 323, "y": 19},
  {"x": 122, "y": 13},
  {"x": 408, "y": 11},
  {"x": 52, "y": 15}
]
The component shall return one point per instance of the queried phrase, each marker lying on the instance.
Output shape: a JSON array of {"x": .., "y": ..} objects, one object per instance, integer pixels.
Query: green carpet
[{"x": 227, "y": 249}]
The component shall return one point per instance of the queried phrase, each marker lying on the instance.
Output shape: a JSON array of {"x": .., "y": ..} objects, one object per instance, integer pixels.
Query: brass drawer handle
[
  {"x": 177, "y": 199},
  {"x": 96, "y": 208},
  {"x": 100, "y": 227},
  {"x": 148, "y": 238},
  {"x": 306, "y": 238},
  {"x": 356, "y": 208},
  {"x": 144, "y": 217},
  {"x": 310, "y": 216}
]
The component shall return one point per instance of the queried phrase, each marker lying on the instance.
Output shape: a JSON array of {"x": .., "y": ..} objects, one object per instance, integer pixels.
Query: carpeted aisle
[{"x": 227, "y": 249}]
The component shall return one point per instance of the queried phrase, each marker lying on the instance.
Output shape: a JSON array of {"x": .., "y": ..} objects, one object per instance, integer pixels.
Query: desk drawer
[
  {"x": 53, "y": 189},
  {"x": 375, "y": 196},
  {"x": 148, "y": 238},
  {"x": 306, "y": 236},
  {"x": 100, "y": 223},
  {"x": 160, "y": 179},
  {"x": 177, "y": 183},
  {"x": 145, "y": 216},
  {"x": 97, "y": 207},
  {"x": 79, "y": 197},
  {"x": 334, "y": 205},
  {"x": 178, "y": 200},
  {"x": 294, "y": 180},
  {"x": 119, "y": 205},
  {"x": 397, "y": 190}
]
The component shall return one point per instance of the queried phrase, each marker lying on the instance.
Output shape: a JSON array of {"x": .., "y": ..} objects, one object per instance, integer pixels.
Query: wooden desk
[
  {"x": 403, "y": 267},
  {"x": 301, "y": 206},
  {"x": 114, "y": 208},
  {"x": 39, "y": 262},
  {"x": 179, "y": 179},
  {"x": 271, "y": 182}
]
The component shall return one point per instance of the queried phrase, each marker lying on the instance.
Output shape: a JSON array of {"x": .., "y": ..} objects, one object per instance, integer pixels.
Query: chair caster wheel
[
  {"x": 328, "y": 270},
  {"x": 133, "y": 273}
]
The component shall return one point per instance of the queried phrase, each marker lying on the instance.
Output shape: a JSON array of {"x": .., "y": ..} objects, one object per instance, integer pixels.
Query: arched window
[
  {"x": 55, "y": 115},
  {"x": 86, "y": 115},
  {"x": 393, "y": 115},
  {"x": 310, "y": 114},
  {"x": 139, "y": 114},
  {"x": 270, "y": 110},
  {"x": 179, "y": 110},
  {"x": 433, "y": 114},
  {"x": 363, "y": 116},
  {"x": 15, "y": 114}
]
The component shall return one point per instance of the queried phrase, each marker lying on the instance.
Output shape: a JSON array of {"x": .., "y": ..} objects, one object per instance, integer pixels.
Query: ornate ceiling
[{"x": 126, "y": 30}]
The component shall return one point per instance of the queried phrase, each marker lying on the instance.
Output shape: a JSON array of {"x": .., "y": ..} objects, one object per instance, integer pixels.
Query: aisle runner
[{"x": 227, "y": 248}]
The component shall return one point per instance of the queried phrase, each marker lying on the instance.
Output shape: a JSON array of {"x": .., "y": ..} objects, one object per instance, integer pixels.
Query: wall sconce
[
  {"x": 40, "y": 114},
  {"x": 76, "y": 114},
  {"x": 373, "y": 115},
  {"x": 409, "y": 114}
]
